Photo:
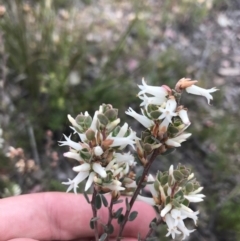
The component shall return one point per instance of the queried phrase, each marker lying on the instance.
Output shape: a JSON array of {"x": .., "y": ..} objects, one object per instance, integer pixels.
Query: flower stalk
[
  {"x": 136, "y": 193},
  {"x": 94, "y": 211}
]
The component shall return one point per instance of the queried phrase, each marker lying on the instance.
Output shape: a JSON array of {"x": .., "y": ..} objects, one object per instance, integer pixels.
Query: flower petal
[{"x": 99, "y": 169}]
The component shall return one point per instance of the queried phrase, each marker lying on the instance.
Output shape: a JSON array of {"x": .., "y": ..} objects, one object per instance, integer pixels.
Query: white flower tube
[
  {"x": 73, "y": 155},
  {"x": 176, "y": 141},
  {"x": 94, "y": 122},
  {"x": 152, "y": 100},
  {"x": 140, "y": 118},
  {"x": 168, "y": 111},
  {"x": 156, "y": 91},
  {"x": 69, "y": 142},
  {"x": 184, "y": 117},
  {"x": 166, "y": 209},
  {"x": 196, "y": 90},
  {"x": 99, "y": 169}
]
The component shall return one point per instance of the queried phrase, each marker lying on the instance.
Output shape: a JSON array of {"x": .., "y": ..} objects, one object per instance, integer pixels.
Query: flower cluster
[
  {"x": 104, "y": 164},
  {"x": 99, "y": 151},
  {"x": 172, "y": 192},
  {"x": 163, "y": 116}
]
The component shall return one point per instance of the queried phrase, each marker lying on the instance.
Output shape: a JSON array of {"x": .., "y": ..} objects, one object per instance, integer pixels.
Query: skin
[{"x": 62, "y": 216}]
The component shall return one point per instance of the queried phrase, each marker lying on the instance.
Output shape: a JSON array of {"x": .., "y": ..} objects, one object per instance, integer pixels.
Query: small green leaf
[
  {"x": 185, "y": 202},
  {"x": 111, "y": 114},
  {"x": 102, "y": 119},
  {"x": 127, "y": 204},
  {"x": 189, "y": 187},
  {"x": 98, "y": 201},
  {"x": 86, "y": 197},
  {"x": 176, "y": 204},
  {"x": 118, "y": 213},
  {"x": 177, "y": 175},
  {"x": 92, "y": 224},
  {"x": 87, "y": 121},
  {"x": 155, "y": 114},
  {"x": 104, "y": 201},
  {"x": 120, "y": 218},
  {"x": 109, "y": 229},
  {"x": 164, "y": 179},
  {"x": 103, "y": 237},
  {"x": 153, "y": 221},
  {"x": 132, "y": 215}
]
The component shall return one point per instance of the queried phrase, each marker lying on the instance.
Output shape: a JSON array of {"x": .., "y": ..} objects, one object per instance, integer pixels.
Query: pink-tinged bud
[{"x": 184, "y": 83}]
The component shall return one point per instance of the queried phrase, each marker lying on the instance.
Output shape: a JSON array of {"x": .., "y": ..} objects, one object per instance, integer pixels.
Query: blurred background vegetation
[{"x": 65, "y": 57}]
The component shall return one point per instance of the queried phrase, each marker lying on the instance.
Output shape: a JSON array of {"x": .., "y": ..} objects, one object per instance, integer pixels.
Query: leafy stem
[
  {"x": 94, "y": 211},
  {"x": 139, "y": 187}
]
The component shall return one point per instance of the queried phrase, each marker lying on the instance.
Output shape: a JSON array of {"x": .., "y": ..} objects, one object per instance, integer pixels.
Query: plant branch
[
  {"x": 110, "y": 214},
  {"x": 139, "y": 187},
  {"x": 94, "y": 211}
]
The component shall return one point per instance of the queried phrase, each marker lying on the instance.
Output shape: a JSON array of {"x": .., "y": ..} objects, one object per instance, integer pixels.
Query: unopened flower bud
[
  {"x": 98, "y": 151},
  {"x": 90, "y": 134},
  {"x": 184, "y": 83}
]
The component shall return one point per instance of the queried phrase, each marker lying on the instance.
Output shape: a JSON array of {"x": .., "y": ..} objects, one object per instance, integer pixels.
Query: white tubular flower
[
  {"x": 73, "y": 155},
  {"x": 168, "y": 111},
  {"x": 154, "y": 193},
  {"x": 75, "y": 145},
  {"x": 126, "y": 158},
  {"x": 140, "y": 118},
  {"x": 195, "y": 196},
  {"x": 121, "y": 141},
  {"x": 89, "y": 181},
  {"x": 156, "y": 91},
  {"x": 166, "y": 209},
  {"x": 98, "y": 151},
  {"x": 123, "y": 130},
  {"x": 152, "y": 100},
  {"x": 115, "y": 185},
  {"x": 82, "y": 136},
  {"x": 148, "y": 200},
  {"x": 192, "y": 215},
  {"x": 196, "y": 90},
  {"x": 99, "y": 169},
  {"x": 184, "y": 117},
  {"x": 176, "y": 141},
  {"x": 84, "y": 172},
  {"x": 85, "y": 167},
  {"x": 94, "y": 122},
  {"x": 74, "y": 183},
  {"x": 110, "y": 126},
  {"x": 151, "y": 186},
  {"x": 177, "y": 216},
  {"x": 171, "y": 174},
  {"x": 73, "y": 122},
  {"x": 186, "y": 232},
  {"x": 172, "y": 229}
]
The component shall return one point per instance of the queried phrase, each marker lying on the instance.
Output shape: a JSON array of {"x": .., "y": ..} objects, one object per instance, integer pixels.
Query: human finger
[{"x": 58, "y": 216}]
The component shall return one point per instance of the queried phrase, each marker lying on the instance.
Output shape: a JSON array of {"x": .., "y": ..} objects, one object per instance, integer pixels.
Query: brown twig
[
  {"x": 139, "y": 187},
  {"x": 94, "y": 211},
  {"x": 110, "y": 215}
]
